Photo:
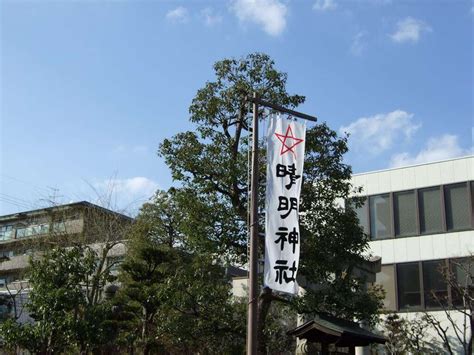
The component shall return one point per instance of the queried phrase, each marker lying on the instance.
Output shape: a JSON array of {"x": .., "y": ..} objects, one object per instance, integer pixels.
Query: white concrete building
[{"x": 419, "y": 218}]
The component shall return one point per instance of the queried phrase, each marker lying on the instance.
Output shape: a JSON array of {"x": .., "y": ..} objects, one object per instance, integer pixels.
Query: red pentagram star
[{"x": 283, "y": 138}]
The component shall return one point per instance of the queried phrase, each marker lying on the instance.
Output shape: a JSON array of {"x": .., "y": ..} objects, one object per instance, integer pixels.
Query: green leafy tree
[
  {"x": 201, "y": 309},
  {"x": 178, "y": 301},
  {"x": 211, "y": 163},
  {"x": 143, "y": 278},
  {"x": 211, "y": 167},
  {"x": 64, "y": 319},
  {"x": 333, "y": 243}
]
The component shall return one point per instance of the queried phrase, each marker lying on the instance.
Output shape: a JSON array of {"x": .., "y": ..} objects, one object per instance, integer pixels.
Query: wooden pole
[
  {"x": 281, "y": 109},
  {"x": 252, "y": 317}
]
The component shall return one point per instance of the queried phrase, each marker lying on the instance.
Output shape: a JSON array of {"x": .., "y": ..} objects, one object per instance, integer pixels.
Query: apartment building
[
  {"x": 420, "y": 219},
  {"x": 31, "y": 232}
]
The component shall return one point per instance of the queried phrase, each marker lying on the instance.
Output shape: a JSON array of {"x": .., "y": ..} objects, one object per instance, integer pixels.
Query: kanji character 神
[{"x": 284, "y": 236}]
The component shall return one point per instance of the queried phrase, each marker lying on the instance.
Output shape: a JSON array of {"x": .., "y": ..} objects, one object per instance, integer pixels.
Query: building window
[
  {"x": 419, "y": 211},
  {"x": 405, "y": 213},
  {"x": 6, "y": 232},
  {"x": 380, "y": 226},
  {"x": 408, "y": 281},
  {"x": 457, "y": 207},
  {"x": 362, "y": 214},
  {"x": 434, "y": 283},
  {"x": 59, "y": 227},
  {"x": 463, "y": 273},
  {"x": 431, "y": 220},
  {"x": 386, "y": 278},
  {"x": 472, "y": 203},
  {"x": 428, "y": 284},
  {"x": 23, "y": 232},
  {"x": 6, "y": 254}
]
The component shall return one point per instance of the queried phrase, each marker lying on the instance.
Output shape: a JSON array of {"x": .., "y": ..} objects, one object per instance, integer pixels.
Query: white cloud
[
  {"x": 132, "y": 190},
  {"x": 210, "y": 17},
  {"x": 270, "y": 14},
  {"x": 324, "y": 5},
  {"x": 409, "y": 30},
  {"x": 135, "y": 186},
  {"x": 375, "y": 134},
  {"x": 359, "y": 43},
  {"x": 437, "y": 148},
  {"x": 178, "y": 15}
]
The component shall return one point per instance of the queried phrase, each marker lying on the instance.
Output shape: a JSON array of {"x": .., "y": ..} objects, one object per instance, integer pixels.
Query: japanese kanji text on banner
[{"x": 285, "y": 157}]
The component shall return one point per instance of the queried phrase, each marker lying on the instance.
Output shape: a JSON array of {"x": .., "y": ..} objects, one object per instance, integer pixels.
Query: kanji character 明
[{"x": 287, "y": 204}]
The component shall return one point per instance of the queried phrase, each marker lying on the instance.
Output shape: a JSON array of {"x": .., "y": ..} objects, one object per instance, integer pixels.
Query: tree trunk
[{"x": 146, "y": 345}]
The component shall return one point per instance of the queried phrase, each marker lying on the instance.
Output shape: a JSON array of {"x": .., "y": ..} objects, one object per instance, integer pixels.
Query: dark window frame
[
  {"x": 365, "y": 206},
  {"x": 470, "y": 192},
  {"x": 469, "y": 197},
  {"x": 420, "y": 288},
  {"x": 448, "y": 288},
  {"x": 471, "y": 205},
  {"x": 422, "y": 307},
  {"x": 395, "y": 212},
  {"x": 5, "y": 228},
  {"x": 439, "y": 188},
  {"x": 390, "y": 217}
]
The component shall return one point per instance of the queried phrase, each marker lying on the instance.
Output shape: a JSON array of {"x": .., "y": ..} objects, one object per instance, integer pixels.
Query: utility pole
[{"x": 252, "y": 318}]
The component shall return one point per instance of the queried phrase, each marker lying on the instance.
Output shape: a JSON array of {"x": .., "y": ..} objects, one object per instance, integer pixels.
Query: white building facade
[{"x": 419, "y": 218}]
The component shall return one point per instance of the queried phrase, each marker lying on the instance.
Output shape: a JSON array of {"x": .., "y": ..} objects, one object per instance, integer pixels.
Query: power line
[
  {"x": 21, "y": 200},
  {"x": 47, "y": 194},
  {"x": 18, "y": 201},
  {"x": 10, "y": 202},
  {"x": 24, "y": 182}
]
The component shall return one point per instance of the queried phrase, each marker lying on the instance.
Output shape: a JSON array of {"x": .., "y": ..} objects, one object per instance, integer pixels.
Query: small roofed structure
[{"x": 329, "y": 331}]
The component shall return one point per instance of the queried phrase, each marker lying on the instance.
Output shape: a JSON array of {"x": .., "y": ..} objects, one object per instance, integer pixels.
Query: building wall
[
  {"x": 240, "y": 287},
  {"x": 417, "y": 176},
  {"x": 419, "y": 247}
]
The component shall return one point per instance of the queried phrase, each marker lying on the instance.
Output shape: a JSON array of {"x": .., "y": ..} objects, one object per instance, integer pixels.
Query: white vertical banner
[{"x": 285, "y": 157}]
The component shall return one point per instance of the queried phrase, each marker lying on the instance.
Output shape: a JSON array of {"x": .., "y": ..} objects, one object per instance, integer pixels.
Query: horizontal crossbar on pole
[{"x": 281, "y": 108}]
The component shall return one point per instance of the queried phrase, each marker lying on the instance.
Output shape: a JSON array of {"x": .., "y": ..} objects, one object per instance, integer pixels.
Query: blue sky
[{"x": 90, "y": 88}]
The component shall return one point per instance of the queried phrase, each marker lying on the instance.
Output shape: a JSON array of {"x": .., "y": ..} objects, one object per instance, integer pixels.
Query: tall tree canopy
[
  {"x": 173, "y": 300},
  {"x": 210, "y": 165}
]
